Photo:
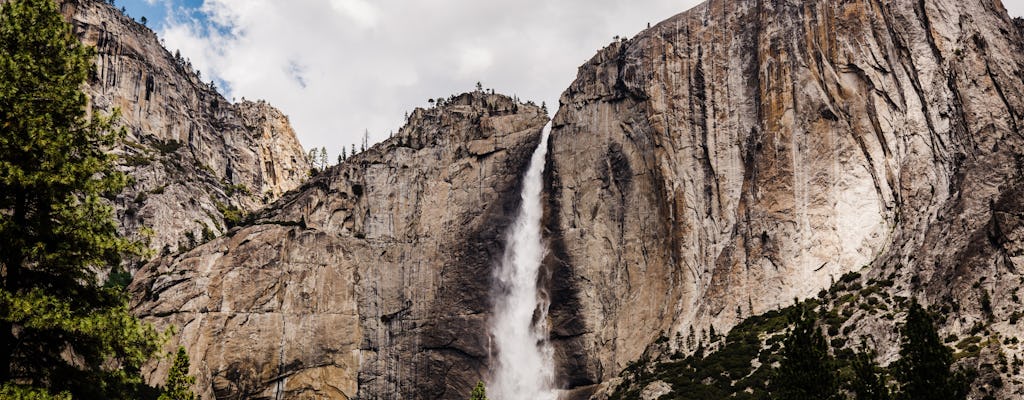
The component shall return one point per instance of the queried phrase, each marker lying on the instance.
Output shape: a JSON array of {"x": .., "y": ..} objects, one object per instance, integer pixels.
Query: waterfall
[{"x": 525, "y": 365}]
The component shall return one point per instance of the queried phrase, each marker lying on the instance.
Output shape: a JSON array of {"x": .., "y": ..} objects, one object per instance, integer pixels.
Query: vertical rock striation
[
  {"x": 370, "y": 281},
  {"x": 192, "y": 154},
  {"x": 745, "y": 153},
  {"x": 718, "y": 165}
]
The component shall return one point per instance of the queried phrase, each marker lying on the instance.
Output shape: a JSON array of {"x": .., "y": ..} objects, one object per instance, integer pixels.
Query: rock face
[
  {"x": 716, "y": 166},
  {"x": 371, "y": 281},
  {"x": 191, "y": 153},
  {"x": 745, "y": 153}
]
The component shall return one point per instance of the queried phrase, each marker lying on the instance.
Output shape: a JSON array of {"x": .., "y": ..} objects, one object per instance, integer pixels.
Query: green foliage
[
  {"x": 923, "y": 369},
  {"x": 725, "y": 373},
  {"x": 10, "y": 391},
  {"x": 118, "y": 278},
  {"x": 233, "y": 216},
  {"x": 479, "y": 393},
  {"x": 740, "y": 367},
  {"x": 56, "y": 227},
  {"x": 806, "y": 370},
  {"x": 179, "y": 382},
  {"x": 232, "y": 189},
  {"x": 868, "y": 381}
]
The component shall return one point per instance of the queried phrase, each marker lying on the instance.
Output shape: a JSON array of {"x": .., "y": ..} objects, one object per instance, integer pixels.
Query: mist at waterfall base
[{"x": 525, "y": 365}]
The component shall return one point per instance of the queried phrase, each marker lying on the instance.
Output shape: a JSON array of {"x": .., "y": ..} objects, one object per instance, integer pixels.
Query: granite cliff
[
  {"x": 709, "y": 170},
  {"x": 193, "y": 156},
  {"x": 370, "y": 281},
  {"x": 746, "y": 153}
]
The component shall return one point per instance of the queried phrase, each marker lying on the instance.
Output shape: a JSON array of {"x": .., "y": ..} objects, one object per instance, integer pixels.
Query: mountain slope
[
  {"x": 191, "y": 154},
  {"x": 706, "y": 172},
  {"x": 370, "y": 281},
  {"x": 745, "y": 153}
]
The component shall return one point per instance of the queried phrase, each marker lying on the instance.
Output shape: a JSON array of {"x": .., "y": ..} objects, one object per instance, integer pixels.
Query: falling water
[{"x": 525, "y": 366}]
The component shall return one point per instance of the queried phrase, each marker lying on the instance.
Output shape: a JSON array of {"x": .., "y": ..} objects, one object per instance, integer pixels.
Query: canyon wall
[
  {"x": 746, "y": 153},
  {"x": 370, "y": 281},
  {"x": 716, "y": 166},
  {"x": 192, "y": 154}
]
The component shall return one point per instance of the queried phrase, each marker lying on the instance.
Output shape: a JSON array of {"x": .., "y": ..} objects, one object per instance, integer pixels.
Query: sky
[{"x": 339, "y": 68}]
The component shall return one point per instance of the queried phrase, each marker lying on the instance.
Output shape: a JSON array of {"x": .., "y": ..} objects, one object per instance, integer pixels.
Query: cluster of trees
[
  {"x": 318, "y": 159},
  {"x": 808, "y": 371},
  {"x": 65, "y": 328}
]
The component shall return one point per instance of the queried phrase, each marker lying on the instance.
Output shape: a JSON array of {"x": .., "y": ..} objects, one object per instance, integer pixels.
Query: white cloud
[
  {"x": 474, "y": 61},
  {"x": 338, "y": 67},
  {"x": 359, "y": 11}
]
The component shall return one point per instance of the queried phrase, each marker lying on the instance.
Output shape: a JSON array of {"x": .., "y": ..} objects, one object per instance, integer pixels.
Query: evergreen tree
[
  {"x": 479, "y": 393},
  {"x": 806, "y": 370},
  {"x": 62, "y": 331},
  {"x": 923, "y": 369},
  {"x": 323, "y": 158},
  {"x": 179, "y": 382},
  {"x": 868, "y": 383},
  {"x": 344, "y": 155},
  {"x": 312, "y": 157}
]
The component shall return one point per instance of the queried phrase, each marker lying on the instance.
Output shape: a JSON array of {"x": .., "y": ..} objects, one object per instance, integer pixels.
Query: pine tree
[
  {"x": 806, "y": 370},
  {"x": 868, "y": 383},
  {"x": 311, "y": 157},
  {"x": 56, "y": 227},
  {"x": 479, "y": 392},
  {"x": 323, "y": 158},
  {"x": 923, "y": 369},
  {"x": 179, "y": 382}
]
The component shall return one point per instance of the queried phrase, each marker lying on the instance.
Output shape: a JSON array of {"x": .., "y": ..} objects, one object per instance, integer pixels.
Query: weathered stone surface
[
  {"x": 718, "y": 165},
  {"x": 371, "y": 281},
  {"x": 188, "y": 149},
  {"x": 745, "y": 153}
]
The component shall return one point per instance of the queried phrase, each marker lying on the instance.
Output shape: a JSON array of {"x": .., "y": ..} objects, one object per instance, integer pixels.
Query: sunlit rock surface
[
  {"x": 370, "y": 281},
  {"x": 190, "y": 152},
  {"x": 744, "y": 153}
]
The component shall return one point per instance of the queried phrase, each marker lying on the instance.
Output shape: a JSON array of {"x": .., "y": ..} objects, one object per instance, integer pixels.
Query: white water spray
[{"x": 525, "y": 367}]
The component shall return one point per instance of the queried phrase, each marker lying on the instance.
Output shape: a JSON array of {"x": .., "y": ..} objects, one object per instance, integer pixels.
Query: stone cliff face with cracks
[
  {"x": 714, "y": 167},
  {"x": 370, "y": 281},
  {"x": 745, "y": 153},
  {"x": 192, "y": 154}
]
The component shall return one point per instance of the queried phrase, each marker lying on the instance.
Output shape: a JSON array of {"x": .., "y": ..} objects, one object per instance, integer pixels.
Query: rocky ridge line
[
  {"x": 193, "y": 156},
  {"x": 741, "y": 154},
  {"x": 370, "y": 281}
]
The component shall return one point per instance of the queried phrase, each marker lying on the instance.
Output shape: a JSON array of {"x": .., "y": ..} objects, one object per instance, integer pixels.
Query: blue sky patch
[{"x": 157, "y": 11}]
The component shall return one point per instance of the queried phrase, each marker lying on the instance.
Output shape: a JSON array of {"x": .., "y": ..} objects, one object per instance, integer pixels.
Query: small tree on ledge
[
  {"x": 179, "y": 382},
  {"x": 479, "y": 392}
]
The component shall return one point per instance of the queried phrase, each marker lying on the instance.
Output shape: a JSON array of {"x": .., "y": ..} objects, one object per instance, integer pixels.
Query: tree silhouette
[
  {"x": 923, "y": 369},
  {"x": 806, "y": 370},
  {"x": 868, "y": 382}
]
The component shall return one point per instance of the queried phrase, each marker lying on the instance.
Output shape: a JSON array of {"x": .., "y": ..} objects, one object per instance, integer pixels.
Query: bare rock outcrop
[
  {"x": 746, "y": 153},
  {"x": 192, "y": 155},
  {"x": 370, "y": 281},
  {"x": 717, "y": 166}
]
